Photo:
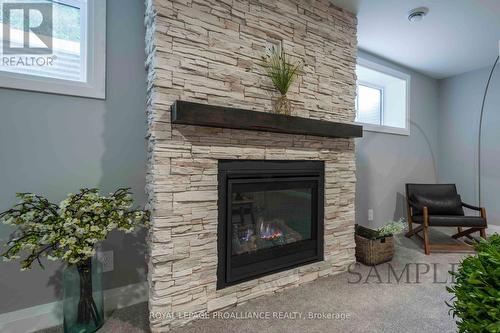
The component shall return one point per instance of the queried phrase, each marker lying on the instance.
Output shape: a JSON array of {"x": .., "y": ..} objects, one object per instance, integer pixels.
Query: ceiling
[{"x": 456, "y": 36}]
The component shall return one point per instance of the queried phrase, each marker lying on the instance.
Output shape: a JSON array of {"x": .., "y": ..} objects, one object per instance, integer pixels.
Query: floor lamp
[{"x": 481, "y": 125}]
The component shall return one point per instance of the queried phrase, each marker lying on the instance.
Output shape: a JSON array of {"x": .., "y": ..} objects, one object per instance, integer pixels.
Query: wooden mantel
[{"x": 189, "y": 113}]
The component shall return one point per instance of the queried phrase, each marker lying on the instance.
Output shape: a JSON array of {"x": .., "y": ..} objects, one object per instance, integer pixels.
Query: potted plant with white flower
[
  {"x": 374, "y": 247},
  {"x": 69, "y": 231}
]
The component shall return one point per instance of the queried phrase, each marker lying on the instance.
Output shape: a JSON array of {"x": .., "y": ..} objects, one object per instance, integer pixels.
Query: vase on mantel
[
  {"x": 83, "y": 306},
  {"x": 283, "y": 105}
]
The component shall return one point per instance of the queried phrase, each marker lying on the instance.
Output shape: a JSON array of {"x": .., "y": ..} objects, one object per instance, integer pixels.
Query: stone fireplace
[{"x": 209, "y": 51}]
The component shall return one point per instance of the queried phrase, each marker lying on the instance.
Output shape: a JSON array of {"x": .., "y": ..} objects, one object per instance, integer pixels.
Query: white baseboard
[{"x": 49, "y": 315}]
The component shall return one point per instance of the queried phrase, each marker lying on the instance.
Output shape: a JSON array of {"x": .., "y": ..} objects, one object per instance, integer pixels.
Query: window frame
[
  {"x": 93, "y": 62},
  {"x": 395, "y": 73}
]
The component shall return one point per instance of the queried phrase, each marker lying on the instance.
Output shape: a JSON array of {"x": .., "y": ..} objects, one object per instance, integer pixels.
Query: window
[
  {"x": 369, "y": 104},
  {"x": 382, "y": 98},
  {"x": 54, "y": 46}
]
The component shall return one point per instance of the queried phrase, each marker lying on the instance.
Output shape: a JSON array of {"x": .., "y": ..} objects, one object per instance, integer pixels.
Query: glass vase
[
  {"x": 283, "y": 105},
  {"x": 83, "y": 307}
]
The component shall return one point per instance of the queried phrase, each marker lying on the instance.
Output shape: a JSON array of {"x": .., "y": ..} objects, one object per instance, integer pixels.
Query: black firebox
[{"x": 270, "y": 217}]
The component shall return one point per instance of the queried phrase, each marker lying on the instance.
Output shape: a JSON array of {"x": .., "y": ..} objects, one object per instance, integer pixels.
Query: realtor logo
[{"x": 35, "y": 20}]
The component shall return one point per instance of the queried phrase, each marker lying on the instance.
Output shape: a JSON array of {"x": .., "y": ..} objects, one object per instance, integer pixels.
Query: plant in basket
[{"x": 375, "y": 247}]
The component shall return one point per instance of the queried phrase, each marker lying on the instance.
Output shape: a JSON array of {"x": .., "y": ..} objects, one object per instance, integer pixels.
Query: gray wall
[
  {"x": 54, "y": 145},
  {"x": 460, "y": 105},
  {"x": 385, "y": 162}
]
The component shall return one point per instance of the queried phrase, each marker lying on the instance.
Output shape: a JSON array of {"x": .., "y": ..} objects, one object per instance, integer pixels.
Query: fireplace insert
[{"x": 270, "y": 217}]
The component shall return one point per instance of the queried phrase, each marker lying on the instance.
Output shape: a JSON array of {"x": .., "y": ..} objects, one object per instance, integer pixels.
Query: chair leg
[
  {"x": 414, "y": 231},
  {"x": 483, "y": 215},
  {"x": 426, "y": 231},
  {"x": 410, "y": 228},
  {"x": 482, "y": 232},
  {"x": 465, "y": 233},
  {"x": 426, "y": 240}
]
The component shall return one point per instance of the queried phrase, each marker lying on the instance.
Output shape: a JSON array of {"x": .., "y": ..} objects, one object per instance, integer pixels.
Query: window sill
[
  {"x": 385, "y": 129},
  {"x": 48, "y": 85}
]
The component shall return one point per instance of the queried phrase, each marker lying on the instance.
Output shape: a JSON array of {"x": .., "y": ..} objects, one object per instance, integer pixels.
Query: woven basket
[{"x": 373, "y": 251}]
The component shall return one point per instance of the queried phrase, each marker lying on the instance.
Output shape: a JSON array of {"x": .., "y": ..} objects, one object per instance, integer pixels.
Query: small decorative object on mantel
[
  {"x": 282, "y": 73},
  {"x": 374, "y": 247},
  {"x": 70, "y": 231}
]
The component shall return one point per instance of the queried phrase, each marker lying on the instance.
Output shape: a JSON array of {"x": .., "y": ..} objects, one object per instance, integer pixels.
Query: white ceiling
[{"x": 456, "y": 36}]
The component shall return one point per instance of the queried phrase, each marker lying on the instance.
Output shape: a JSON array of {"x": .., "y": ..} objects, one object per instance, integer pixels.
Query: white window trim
[
  {"x": 95, "y": 85},
  {"x": 393, "y": 72}
]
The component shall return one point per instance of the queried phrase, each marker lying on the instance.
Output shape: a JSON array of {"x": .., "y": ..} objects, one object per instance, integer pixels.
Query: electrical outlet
[
  {"x": 370, "y": 214},
  {"x": 106, "y": 259}
]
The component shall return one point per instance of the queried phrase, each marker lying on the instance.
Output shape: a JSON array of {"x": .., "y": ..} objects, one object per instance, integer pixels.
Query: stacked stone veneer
[{"x": 209, "y": 51}]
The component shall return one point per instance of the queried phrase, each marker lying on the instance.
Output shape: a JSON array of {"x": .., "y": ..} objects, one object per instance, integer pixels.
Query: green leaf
[
  {"x": 281, "y": 71},
  {"x": 477, "y": 289}
]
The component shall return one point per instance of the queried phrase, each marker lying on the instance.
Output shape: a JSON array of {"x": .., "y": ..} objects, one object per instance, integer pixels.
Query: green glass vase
[{"x": 83, "y": 307}]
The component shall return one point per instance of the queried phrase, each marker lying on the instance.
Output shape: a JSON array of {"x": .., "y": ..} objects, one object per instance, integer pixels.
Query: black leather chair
[{"x": 439, "y": 205}]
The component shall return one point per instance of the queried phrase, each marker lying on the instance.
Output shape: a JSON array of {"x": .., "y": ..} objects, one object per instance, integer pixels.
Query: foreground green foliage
[
  {"x": 68, "y": 231},
  {"x": 477, "y": 289}
]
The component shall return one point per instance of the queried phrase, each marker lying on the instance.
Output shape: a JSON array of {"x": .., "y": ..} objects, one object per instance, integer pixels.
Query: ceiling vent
[{"x": 417, "y": 14}]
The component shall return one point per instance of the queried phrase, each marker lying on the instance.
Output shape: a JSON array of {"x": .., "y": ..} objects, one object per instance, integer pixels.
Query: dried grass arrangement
[{"x": 282, "y": 73}]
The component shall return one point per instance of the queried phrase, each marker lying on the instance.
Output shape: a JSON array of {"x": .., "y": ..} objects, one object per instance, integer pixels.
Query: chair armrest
[
  {"x": 471, "y": 206},
  {"x": 414, "y": 204}
]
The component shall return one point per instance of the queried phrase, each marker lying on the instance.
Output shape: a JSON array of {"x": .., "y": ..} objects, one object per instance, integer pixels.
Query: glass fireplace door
[
  {"x": 270, "y": 217},
  {"x": 268, "y": 214},
  {"x": 272, "y": 223}
]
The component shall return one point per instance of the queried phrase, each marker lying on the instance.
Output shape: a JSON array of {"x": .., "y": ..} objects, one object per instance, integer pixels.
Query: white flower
[
  {"x": 28, "y": 216},
  {"x": 63, "y": 204},
  {"x": 111, "y": 226},
  {"x": 28, "y": 246},
  {"x": 87, "y": 251}
]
